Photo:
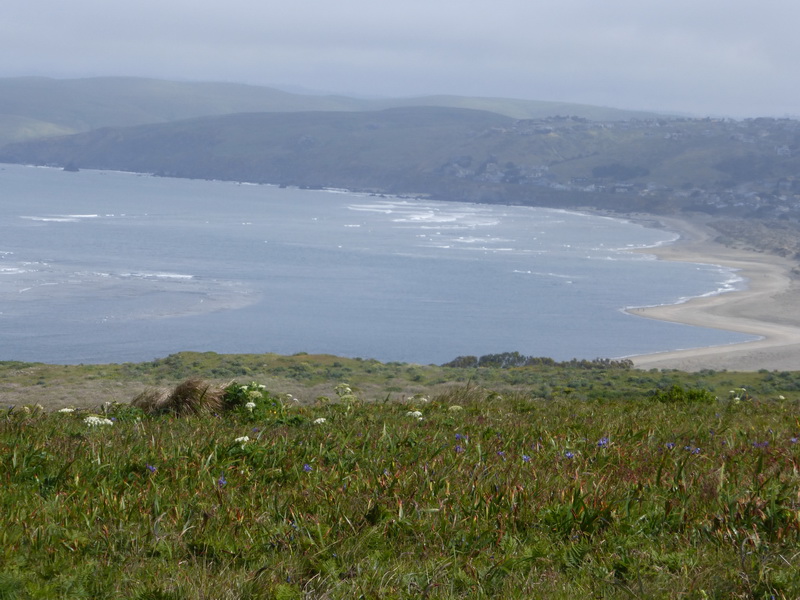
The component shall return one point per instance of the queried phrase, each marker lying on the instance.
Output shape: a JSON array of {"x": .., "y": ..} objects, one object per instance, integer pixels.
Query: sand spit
[{"x": 767, "y": 308}]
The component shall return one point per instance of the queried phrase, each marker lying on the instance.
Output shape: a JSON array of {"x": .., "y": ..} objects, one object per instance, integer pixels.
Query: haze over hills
[
  {"x": 451, "y": 148},
  {"x": 32, "y": 107}
]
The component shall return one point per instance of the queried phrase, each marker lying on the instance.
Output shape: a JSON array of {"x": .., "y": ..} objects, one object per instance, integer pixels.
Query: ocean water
[{"x": 100, "y": 267}]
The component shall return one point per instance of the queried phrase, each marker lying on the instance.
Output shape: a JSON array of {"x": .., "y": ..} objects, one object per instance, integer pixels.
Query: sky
[{"x": 733, "y": 58}]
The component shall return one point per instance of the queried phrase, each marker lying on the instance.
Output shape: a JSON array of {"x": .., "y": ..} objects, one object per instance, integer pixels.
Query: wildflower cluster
[
  {"x": 95, "y": 421},
  {"x": 253, "y": 399},
  {"x": 36, "y": 409},
  {"x": 738, "y": 395},
  {"x": 244, "y": 395},
  {"x": 347, "y": 397},
  {"x": 345, "y": 394}
]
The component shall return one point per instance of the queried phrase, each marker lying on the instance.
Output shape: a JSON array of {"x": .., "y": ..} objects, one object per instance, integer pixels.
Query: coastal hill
[
  {"x": 469, "y": 149},
  {"x": 33, "y": 107}
]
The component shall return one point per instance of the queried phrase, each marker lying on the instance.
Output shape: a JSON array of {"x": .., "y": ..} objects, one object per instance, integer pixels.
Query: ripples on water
[{"x": 110, "y": 267}]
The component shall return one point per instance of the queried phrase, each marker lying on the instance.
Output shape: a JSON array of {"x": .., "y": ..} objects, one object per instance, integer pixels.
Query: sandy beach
[{"x": 768, "y": 307}]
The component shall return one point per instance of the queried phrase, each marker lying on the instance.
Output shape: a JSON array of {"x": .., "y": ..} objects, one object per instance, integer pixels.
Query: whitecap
[
  {"x": 139, "y": 275},
  {"x": 51, "y": 219}
]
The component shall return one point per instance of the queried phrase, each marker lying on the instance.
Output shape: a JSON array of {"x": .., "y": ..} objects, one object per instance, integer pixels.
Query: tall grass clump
[
  {"x": 191, "y": 397},
  {"x": 462, "y": 493}
]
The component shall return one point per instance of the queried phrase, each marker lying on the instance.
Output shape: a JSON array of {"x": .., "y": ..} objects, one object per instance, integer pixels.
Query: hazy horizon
[{"x": 730, "y": 59}]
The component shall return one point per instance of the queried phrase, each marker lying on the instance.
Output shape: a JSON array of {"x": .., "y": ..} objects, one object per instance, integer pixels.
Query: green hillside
[
  {"x": 658, "y": 165},
  {"x": 14, "y": 128},
  {"x": 391, "y": 150}
]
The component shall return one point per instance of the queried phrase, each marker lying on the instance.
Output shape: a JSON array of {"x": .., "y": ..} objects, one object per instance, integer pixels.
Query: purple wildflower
[
  {"x": 459, "y": 449},
  {"x": 602, "y": 442},
  {"x": 670, "y": 445},
  {"x": 569, "y": 454},
  {"x": 501, "y": 454},
  {"x": 222, "y": 482},
  {"x": 307, "y": 468},
  {"x": 793, "y": 440},
  {"x": 151, "y": 468},
  {"x": 526, "y": 458}
]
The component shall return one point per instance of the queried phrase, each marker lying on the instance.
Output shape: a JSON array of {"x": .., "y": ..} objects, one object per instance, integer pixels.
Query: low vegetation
[{"x": 538, "y": 481}]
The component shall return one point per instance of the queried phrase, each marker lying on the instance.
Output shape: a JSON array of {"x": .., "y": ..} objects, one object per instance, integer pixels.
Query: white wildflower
[
  {"x": 320, "y": 421},
  {"x": 66, "y": 410},
  {"x": 781, "y": 398},
  {"x": 254, "y": 395},
  {"x": 94, "y": 421},
  {"x": 250, "y": 406},
  {"x": 242, "y": 440},
  {"x": 343, "y": 390},
  {"x": 414, "y": 413},
  {"x": 455, "y": 408}
]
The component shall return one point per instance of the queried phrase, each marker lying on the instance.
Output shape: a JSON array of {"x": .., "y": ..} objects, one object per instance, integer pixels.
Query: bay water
[{"x": 100, "y": 267}]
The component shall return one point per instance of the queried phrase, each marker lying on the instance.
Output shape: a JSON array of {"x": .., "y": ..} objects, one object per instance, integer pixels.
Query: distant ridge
[
  {"x": 78, "y": 105},
  {"x": 656, "y": 165},
  {"x": 445, "y": 147}
]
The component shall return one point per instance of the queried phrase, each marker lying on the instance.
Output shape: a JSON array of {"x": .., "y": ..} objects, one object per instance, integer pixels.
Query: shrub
[{"x": 678, "y": 394}]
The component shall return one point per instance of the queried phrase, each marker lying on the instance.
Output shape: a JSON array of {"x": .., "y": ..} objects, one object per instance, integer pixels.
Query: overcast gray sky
[{"x": 703, "y": 57}]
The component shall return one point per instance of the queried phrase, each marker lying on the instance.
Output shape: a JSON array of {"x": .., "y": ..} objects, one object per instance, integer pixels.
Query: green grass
[
  {"x": 308, "y": 377},
  {"x": 499, "y": 491}
]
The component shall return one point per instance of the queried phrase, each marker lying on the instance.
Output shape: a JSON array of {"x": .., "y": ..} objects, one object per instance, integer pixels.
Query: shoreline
[{"x": 765, "y": 308}]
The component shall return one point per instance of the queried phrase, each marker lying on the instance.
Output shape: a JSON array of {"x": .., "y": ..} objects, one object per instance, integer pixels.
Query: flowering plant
[
  {"x": 95, "y": 421},
  {"x": 252, "y": 398}
]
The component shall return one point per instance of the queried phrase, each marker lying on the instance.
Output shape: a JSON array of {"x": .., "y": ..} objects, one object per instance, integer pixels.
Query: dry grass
[
  {"x": 59, "y": 394},
  {"x": 190, "y": 397}
]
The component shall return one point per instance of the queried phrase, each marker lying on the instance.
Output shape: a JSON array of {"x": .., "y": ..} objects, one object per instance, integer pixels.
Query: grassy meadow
[{"x": 323, "y": 477}]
